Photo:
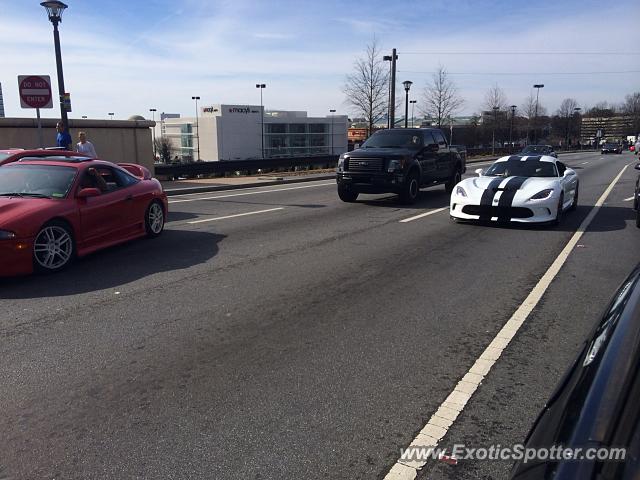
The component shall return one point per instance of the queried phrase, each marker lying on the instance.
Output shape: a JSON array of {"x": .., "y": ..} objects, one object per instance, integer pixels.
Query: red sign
[{"x": 35, "y": 91}]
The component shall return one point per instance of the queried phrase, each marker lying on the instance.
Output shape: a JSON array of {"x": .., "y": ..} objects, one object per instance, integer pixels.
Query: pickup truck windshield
[{"x": 394, "y": 140}]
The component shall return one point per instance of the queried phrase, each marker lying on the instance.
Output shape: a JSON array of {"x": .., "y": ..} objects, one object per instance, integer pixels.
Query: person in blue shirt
[{"x": 63, "y": 139}]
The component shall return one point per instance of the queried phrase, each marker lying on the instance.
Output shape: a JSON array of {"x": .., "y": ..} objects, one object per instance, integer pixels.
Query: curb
[{"x": 181, "y": 191}]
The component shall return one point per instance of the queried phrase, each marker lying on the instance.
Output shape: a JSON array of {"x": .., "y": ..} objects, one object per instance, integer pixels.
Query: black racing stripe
[
  {"x": 488, "y": 194},
  {"x": 506, "y": 199}
]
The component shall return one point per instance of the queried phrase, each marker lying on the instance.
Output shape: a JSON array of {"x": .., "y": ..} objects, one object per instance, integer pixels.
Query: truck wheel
[
  {"x": 410, "y": 189},
  {"x": 453, "y": 181},
  {"x": 347, "y": 195}
]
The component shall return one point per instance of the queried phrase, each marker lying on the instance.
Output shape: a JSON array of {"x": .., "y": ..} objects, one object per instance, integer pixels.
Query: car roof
[
  {"x": 542, "y": 158},
  {"x": 55, "y": 158}
]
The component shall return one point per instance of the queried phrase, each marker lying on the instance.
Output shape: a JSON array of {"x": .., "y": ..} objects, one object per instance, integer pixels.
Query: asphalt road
[{"x": 290, "y": 335}]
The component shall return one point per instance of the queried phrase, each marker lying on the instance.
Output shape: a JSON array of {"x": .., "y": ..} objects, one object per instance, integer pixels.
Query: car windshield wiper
[{"x": 24, "y": 194}]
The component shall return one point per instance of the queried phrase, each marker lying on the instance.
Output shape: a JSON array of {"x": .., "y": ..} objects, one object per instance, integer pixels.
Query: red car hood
[{"x": 24, "y": 215}]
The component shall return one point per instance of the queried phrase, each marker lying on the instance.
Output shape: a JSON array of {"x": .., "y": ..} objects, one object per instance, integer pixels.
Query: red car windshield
[
  {"x": 50, "y": 181},
  {"x": 4, "y": 155}
]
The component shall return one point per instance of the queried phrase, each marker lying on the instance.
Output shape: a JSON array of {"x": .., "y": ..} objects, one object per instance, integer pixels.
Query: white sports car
[{"x": 527, "y": 189}]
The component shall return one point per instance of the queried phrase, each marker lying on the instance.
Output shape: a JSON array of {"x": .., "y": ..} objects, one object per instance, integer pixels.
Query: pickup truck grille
[{"x": 365, "y": 165}]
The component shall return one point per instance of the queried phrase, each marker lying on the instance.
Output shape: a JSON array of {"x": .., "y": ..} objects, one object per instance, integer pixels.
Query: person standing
[
  {"x": 63, "y": 139},
  {"x": 85, "y": 146}
]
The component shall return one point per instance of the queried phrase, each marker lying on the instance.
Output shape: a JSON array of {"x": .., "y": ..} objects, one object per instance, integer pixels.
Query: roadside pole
[{"x": 40, "y": 141}]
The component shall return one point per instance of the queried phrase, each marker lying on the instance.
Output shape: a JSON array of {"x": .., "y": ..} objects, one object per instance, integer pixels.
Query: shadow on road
[
  {"x": 173, "y": 250},
  {"x": 608, "y": 219},
  {"x": 426, "y": 199}
]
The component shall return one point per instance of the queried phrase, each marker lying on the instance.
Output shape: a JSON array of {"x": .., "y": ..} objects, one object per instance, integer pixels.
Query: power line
[
  {"x": 520, "y": 53},
  {"x": 525, "y": 73}
]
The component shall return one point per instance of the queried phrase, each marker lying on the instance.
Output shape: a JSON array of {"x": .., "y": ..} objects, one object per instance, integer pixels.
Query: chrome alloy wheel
[
  {"x": 156, "y": 218},
  {"x": 53, "y": 247}
]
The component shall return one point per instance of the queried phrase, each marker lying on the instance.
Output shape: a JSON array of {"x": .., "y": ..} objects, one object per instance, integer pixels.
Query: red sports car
[
  {"x": 14, "y": 154},
  {"x": 55, "y": 209}
]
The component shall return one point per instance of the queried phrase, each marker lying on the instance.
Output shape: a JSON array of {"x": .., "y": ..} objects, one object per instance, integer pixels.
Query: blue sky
[{"x": 127, "y": 56}]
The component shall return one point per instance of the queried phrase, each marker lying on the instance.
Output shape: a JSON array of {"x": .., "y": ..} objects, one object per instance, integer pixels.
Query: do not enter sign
[{"x": 35, "y": 91}]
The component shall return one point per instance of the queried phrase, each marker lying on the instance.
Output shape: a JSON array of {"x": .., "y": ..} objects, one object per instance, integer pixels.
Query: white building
[{"x": 233, "y": 132}]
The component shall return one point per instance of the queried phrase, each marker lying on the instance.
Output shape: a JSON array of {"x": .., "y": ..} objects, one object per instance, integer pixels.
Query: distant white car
[{"x": 524, "y": 189}]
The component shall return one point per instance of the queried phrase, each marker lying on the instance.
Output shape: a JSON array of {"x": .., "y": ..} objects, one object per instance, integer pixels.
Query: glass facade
[{"x": 295, "y": 139}]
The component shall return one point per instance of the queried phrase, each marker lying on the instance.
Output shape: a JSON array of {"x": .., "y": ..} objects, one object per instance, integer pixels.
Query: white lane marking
[
  {"x": 628, "y": 199},
  {"x": 246, "y": 193},
  {"x": 584, "y": 163},
  {"x": 425, "y": 214},
  {"x": 234, "y": 216},
  {"x": 440, "y": 422}
]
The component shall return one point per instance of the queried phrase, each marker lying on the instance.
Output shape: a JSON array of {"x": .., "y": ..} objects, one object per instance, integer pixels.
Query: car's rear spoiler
[{"x": 136, "y": 170}]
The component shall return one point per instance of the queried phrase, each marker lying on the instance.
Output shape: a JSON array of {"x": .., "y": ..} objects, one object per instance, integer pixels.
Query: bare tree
[
  {"x": 567, "y": 112},
  {"x": 440, "y": 98},
  {"x": 495, "y": 97},
  {"x": 366, "y": 88},
  {"x": 528, "y": 110},
  {"x": 164, "y": 147},
  {"x": 631, "y": 107}
]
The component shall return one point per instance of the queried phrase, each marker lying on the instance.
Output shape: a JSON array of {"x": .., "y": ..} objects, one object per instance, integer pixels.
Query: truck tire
[
  {"x": 410, "y": 189},
  {"x": 347, "y": 195},
  {"x": 454, "y": 180}
]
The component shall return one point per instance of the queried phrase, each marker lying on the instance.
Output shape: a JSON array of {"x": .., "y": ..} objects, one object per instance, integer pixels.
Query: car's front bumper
[
  {"x": 530, "y": 212},
  {"x": 16, "y": 257},
  {"x": 371, "y": 182}
]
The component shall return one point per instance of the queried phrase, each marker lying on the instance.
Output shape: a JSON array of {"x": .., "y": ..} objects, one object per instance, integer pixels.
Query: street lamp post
[
  {"x": 332, "y": 111},
  {"x": 537, "y": 86},
  {"x": 493, "y": 139},
  {"x": 407, "y": 86},
  {"x": 513, "y": 114},
  {"x": 388, "y": 58},
  {"x": 54, "y": 11},
  {"x": 413, "y": 104},
  {"x": 153, "y": 117},
  {"x": 197, "y": 125},
  {"x": 261, "y": 86}
]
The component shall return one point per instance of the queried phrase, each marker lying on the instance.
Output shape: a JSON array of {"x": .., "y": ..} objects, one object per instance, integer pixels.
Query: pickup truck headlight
[
  {"x": 394, "y": 165},
  {"x": 460, "y": 191},
  {"x": 543, "y": 194},
  {"x": 341, "y": 162},
  {"x": 7, "y": 235}
]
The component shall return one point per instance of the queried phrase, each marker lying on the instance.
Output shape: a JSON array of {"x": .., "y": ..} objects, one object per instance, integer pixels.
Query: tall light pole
[
  {"x": 392, "y": 100},
  {"x": 407, "y": 86},
  {"x": 153, "y": 117},
  {"x": 111, "y": 114},
  {"x": 261, "y": 86},
  {"x": 450, "y": 130},
  {"x": 196, "y": 98},
  {"x": 332, "y": 111},
  {"x": 537, "y": 86},
  {"x": 413, "y": 104},
  {"x": 513, "y": 114},
  {"x": 54, "y": 11},
  {"x": 387, "y": 58},
  {"x": 495, "y": 120}
]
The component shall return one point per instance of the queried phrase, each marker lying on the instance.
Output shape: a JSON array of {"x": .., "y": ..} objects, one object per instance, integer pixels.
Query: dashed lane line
[
  {"x": 193, "y": 222},
  {"x": 442, "y": 420},
  {"x": 248, "y": 193},
  {"x": 425, "y": 214}
]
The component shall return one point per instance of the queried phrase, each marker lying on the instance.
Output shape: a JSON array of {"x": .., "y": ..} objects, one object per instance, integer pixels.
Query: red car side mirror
[{"x": 89, "y": 192}]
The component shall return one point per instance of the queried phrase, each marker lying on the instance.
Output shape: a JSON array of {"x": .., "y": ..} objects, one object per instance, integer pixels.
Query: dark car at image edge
[
  {"x": 399, "y": 161},
  {"x": 595, "y": 406}
]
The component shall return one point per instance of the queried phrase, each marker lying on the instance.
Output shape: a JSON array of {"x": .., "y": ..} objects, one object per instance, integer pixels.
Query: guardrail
[{"x": 225, "y": 166}]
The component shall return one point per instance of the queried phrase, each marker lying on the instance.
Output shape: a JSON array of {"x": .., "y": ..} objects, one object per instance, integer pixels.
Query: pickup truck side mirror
[
  {"x": 637, "y": 167},
  {"x": 479, "y": 171}
]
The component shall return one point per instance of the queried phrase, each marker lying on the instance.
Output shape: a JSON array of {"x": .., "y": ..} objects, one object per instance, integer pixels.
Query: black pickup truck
[{"x": 399, "y": 160}]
